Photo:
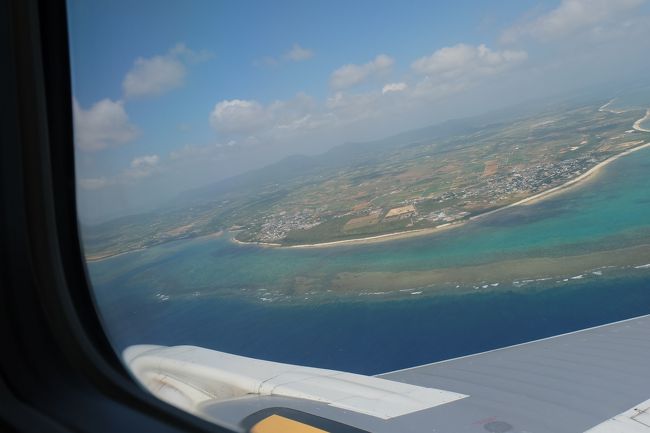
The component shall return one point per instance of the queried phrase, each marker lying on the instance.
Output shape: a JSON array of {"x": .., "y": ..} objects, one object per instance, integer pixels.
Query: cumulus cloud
[
  {"x": 159, "y": 74},
  {"x": 570, "y": 17},
  {"x": 153, "y": 76},
  {"x": 447, "y": 71},
  {"x": 456, "y": 69},
  {"x": 142, "y": 166},
  {"x": 188, "y": 55},
  {"x": 298, "y": 53},
  {"x": 348, "y": 108},
  {"x": 462, "y": 59},
  {"x": 394, "y": 87},
  {"x": 299, "y": 112},
  {"x": 238, "y": 116},
  {"x": 351, "y": 75},
  {"x": 242, "y": 117},
  {"x": 103, "y": 125},
  {"x": 145, "y": 161}
]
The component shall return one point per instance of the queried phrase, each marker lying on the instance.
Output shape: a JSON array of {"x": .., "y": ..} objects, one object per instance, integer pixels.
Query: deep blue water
[{"x": 378, "y": 336}]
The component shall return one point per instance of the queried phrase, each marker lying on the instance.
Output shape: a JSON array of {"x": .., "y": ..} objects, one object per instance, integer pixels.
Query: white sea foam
[{"x": 643, "y": 266}]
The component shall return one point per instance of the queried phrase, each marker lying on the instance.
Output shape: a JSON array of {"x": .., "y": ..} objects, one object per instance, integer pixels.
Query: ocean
[{"x": 572, "y": 261}]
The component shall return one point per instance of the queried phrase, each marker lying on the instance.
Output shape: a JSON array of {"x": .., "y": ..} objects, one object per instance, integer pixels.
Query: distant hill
[{"x": 348, "y": 154}]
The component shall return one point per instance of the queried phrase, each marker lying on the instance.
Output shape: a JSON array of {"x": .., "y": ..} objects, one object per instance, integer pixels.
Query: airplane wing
[{"x": 596, "y": 380}]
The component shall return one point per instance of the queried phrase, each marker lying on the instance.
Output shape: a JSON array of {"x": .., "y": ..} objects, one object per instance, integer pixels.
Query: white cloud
[
  {"x": 298, "y": 53},
  {"x": 298, "y": 113},
  {"x": 159, "y": 74},
  {"x": 153, "y": 76},
  {"x": 351, "y": 107},
  {"x": 351, "y": 75},
  {"x": 145, "y": 161},
  {"x": 455, "y": 69},
  {"x": 248, "y": 116},
  {"x": 394, "y": 87},
  {"x": 142, "y": 166},
  {"x": 105, "y": 124},
  {"x": 448, "y": 71},
  {"x": 181, "y": 51},
  {"x": 307, "y": 121},
  {"x": 570, "y": 17},
  {"x": 238, "y": 116},
  {"x": 463, "y": 59}
]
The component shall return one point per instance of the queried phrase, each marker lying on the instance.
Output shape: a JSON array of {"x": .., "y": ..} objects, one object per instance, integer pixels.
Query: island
[{"x": 418, "y": 182}]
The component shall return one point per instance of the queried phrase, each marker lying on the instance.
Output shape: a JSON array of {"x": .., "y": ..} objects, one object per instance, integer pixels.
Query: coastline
[
  {"x": 561, "y": 188},
  {"x": 378, "y": 238},
  {"x": 430, "y": 230},
  {"x": 637, "y": 124},
  {"x": 605, "y": 109},
  {"x": 99, "y": 258},
  {"x": 259, "y": 244}
]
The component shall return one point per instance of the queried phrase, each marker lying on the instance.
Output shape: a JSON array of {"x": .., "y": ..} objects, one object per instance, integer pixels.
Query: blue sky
[{"x": 173, "y": 95}]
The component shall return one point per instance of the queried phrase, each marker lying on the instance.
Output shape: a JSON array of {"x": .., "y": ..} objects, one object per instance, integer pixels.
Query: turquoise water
[{"x": 217, "y": 294}]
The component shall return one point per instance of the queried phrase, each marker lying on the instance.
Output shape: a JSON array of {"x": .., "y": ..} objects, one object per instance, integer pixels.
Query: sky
[{"x": 170, "y": 95}]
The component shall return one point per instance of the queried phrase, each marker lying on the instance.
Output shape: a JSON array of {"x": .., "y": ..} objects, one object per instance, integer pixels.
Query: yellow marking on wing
[{"x": 280, "y": 424}]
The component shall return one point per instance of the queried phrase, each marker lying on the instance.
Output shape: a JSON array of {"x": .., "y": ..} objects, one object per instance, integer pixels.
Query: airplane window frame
[{"x": 59, "y": 372}]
